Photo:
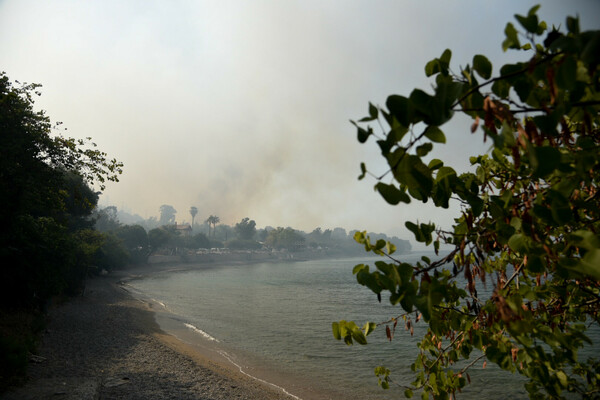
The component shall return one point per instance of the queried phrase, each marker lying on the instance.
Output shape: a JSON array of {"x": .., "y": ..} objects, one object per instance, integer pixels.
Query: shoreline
[
  {"x": 200, "y": 346},
  {"x": 107, "y": 344}
]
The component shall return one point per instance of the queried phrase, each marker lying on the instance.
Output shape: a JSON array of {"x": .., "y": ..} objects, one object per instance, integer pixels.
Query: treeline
[
  {"x": 210, "y": 233},
  {"x": 48, "y": 244}
]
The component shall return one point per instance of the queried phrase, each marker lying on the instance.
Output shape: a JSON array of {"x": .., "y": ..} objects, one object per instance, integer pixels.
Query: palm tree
[
  {"x": 214, "y": 220},
  {"x": 193, "y": 212}
]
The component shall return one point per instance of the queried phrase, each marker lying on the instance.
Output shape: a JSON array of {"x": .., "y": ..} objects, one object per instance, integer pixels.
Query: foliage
[
  {"x": 135, "y": 241},
  {"x": 107, "y": 219},
  {"x": 133, "y": 236},
  {"x": 529, "y": 223},
  {"x": 199, "y": 241},
  {"x": 246, "y": 244},
  {"x": 212, "y": 220},
  {"x": 45, "y": 198},
  {"x": 287, "y": 238},
  {"x": 158, "y": 237},
  {"x": 193, "y": 213},
  {"x": 167, "y": 214},
  {"x": 102, "y": 251},
  {"x": 245, "y": 229}
]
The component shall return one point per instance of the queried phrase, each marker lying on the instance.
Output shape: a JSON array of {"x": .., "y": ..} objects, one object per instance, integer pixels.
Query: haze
[{"x": 241, "y": 108}]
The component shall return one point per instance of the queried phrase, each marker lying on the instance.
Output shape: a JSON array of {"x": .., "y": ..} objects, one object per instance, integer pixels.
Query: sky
[{"x": 241, "y": 108}]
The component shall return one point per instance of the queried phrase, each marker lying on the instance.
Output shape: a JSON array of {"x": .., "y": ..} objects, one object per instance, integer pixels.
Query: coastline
[{"x": 107, "y": 344}]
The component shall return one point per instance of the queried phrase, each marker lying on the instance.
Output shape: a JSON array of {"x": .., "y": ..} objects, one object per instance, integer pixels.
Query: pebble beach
[{"x": 107, "y": 345}]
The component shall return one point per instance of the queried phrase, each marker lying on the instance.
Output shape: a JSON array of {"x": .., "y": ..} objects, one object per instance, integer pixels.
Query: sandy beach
[{"x": 107, "y": 345}]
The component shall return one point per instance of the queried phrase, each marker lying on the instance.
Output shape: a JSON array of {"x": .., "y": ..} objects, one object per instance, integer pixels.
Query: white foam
[
  {"x": 224, "y": 354},
  {"x": 201, "y": 332},
  {"x": 160, "y": 302}
]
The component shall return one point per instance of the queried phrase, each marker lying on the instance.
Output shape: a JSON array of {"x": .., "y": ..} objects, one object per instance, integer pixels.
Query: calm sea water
[{"x": 273, "y": 321}]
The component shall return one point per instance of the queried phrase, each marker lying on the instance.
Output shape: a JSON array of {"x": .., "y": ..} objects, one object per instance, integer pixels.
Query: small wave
[
  {"x": 160, "y": 302},
  {"x": 224, "y": 354},
  {"x": 201, "y": 332}
]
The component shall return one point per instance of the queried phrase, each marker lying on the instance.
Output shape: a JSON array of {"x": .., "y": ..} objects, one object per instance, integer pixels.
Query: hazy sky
[{"x": 241, "y": 108}]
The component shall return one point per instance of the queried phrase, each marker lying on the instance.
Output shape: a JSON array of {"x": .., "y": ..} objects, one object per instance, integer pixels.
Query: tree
[
  {"x": 107, "y": 219},
  {"x": 339, "y": 234},
  {"x": 45, "y": 198},
  {"x": 529, "y": 222},
  {"x": 245, "y": 229},
  {"x": 158, "y": 237},
  {"x": 200, "y": 241},
  {"x": 212, "y": 220},
  {"x": 135, "y": 240},
  {"x": 193, "y": 212},
  {"x": 102, "y": 250},
  {"x": 287, "y": 238},
  {"x": 167, "y": 215}
]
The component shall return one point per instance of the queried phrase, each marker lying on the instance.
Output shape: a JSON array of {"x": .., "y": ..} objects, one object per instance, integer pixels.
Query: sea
[{"x": 272, "y": 322}]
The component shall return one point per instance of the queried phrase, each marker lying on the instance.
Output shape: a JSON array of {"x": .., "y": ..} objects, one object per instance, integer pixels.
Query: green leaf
[
  {"x": 566, "y": 74},
  {"x": 435, "y": 134},
  {"x": 483, "y": 66},
  {"x": 401, "y": 108},
  {"x": 445, "y": 173},
  {"x": 436, "y": 110},
  {"x": 530, "y": 22},
  {"x": 363, "y": 171},
  {"x": 560, "y": 207},
  {"x": 435, "y": 164},
  {"x": 335, "y": 327},
  {"x": 573, "y": 24},
  {"x": 405, "y": 271},
  {"x": 476, "y": 204},
  {"x": 414, "y": 174},
  {"x": 369, "y": 327},
  {"x": 424, "y": 149},
  {"x": 422, "y": 102},
  {"x": 544, "y": 160},
  {"x": 512, "y": 38},
  {"x": 501, "y": 88},
  {"x": 535, "y": 264},
  {"x": 363, "y": 134},
  {"x": 432, "y": 67},
  {"x": 422, "y": 232},
  {"x": 533, "y": 10},
  {"x": 586, "y": 239},
  {"x": 391, "y": 248},
  {"x": 445, "y": 57},
  {"x": 392, "y": 194},
  {"x": 373, "y": 111},
  {"x": 358, "y": 268},
  {"x": 518, "y": 243},
  {"x": 590, "y": 54},
  {"x": 546, "y": 123},
  {"x": 590, "y": 263},
  {"x": 562, "y": 378},
  {"x": 439, "y": 65},
  {"x": 358, "y": 335}
]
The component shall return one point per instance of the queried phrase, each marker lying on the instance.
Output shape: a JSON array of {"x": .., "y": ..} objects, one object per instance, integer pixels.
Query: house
[{"x": 183, "y": 229}]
